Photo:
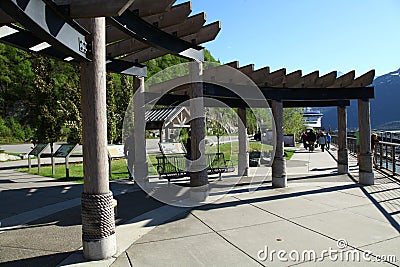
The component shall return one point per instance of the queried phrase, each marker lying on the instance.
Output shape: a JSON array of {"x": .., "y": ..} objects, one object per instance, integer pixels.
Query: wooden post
[
  {"x": 38, "y": 163},
  {"x": 365, "y": 166},
  {"x": 29, "y": 163},
  {"x": 140, "y": 161},
  {"x": 53, "y": 162},
  {"x": 67, "y": 167},
  {"x": 243, "y": 164},
  {"x": 279, "y": 178},
  {"x": 199, "y": 176},
  {"x": 343, "y": 158},
  {"x": 110, "y": 166},
  {"x": 98, "y": 224}
]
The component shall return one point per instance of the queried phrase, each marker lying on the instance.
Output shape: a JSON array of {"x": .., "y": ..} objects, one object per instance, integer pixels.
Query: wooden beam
[
  {"x": 206, "y": 34},
  {"x": 176, "y": 15},
  {"x": 364, "y": 80},
  {"x": 260, "y": 75},
  {"x": 191, "y": 26},
  {"x": 307, "y": 80},
  {"x": 247, "y": 70},
  {"x": 147, "y": 8},
  {"x": 344, "y": 80},
  {"x": 326, "y": 80},
  {"x": 291, "y": 79},
  {"x": 275, "y": 78},
  {"x": 4, "y": 18},
  {"x": 94, "y": 8},
  {"x": 233, "y": 64}
]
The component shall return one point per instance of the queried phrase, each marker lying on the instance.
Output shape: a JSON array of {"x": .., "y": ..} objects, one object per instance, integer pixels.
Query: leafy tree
[
  {"x": 123, "y": 96},
  {"x": 111, "y": 107},
  {"x": 293, "y": 121},
  {"x": 46, "y": 111}
]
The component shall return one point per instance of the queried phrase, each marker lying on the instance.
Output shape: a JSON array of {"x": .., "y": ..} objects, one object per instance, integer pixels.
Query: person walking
[
  {"x": 129, "y": 151},
  {"x": 311, "y": 138},
  {"x": 322, "y": 140},
  {"x": 304, "y": 139},
  {"x": 328, "y": 141},
  {"x": 374, "y": 143}
]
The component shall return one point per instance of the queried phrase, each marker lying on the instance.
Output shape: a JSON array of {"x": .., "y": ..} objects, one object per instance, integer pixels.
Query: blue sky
[{"x": 307, "y": 35}]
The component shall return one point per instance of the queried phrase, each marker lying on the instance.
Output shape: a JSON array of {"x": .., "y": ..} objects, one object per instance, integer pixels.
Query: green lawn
[{"x": 119, "y": 168}]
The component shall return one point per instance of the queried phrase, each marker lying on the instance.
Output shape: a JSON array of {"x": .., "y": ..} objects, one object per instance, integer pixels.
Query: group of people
[{"x": 312, "y": 140}]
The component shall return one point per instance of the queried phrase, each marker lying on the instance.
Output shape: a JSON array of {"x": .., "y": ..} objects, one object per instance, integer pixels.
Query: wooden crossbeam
[
  {"x": 176, "y": 15},
  {"x": 344, "y": 80},
  {"x": 275, "y": 78},
  {"x": 247, "y": 70},
  {"x": 98, "y": 8},
  {"x": 4, "y": 18},
  {"x": 364, "y": 80},
  {"x": 326, "y": 80},
  {"x": 146, "y": 8},
  {"x": 292, "y": 78},
  {"x": 260, "y": 75},
  {"x": 190, "y": 26},
  {"x": 206, "y": 34},
  {"x": 307, "y": 80},
  {"x": 233, "y": 64}
]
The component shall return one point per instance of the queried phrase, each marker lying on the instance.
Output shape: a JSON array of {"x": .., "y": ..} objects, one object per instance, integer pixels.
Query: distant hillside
[{"x": 385, "y": 108}]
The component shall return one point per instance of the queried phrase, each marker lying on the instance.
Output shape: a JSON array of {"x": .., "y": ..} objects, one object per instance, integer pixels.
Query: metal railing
[{"x": 386, "y": 154}]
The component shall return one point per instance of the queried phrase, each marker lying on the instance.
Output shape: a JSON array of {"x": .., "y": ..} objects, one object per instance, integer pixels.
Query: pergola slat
[
  {"x": 344, "y": 80},
  {"x": 260, "y": 75},
  {"x": 274, "y": 78},
  {"x": 4, "y": 18},
  {"x": 307, "y": 80},
  {"x": 364, "y": 80},
  {"x": 206, "y": 34},
  {"x": 177, "y": 15},
  {"x": 247, "y": 70},
  {"x": 90, "y": 8},
  {"x": 292, "y": 78},
  {"x": 326, "y": 80},
  {"x": 147, "y": 8},
  {"x": 190, "y": 26},
  {"x": 233, "y": 64},
  {"x": 137, "y": 28}
]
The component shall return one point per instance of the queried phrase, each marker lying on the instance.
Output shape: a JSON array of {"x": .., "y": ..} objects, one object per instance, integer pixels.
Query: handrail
[{"x": 386, "y": 154}]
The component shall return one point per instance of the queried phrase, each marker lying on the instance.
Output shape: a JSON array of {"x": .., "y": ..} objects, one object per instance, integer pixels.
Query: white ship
[{"x": 312, "y": 118}]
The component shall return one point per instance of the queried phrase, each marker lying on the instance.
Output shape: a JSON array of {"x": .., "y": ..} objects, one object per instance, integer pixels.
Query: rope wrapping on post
[{"x": 97, "y": 216}]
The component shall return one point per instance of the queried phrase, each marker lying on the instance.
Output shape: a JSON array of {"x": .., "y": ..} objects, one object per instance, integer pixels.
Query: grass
[{"x": 119, "y": 167}]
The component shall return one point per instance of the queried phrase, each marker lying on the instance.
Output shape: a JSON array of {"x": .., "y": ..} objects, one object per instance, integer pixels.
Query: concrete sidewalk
[{"x": 318, "y": 211}]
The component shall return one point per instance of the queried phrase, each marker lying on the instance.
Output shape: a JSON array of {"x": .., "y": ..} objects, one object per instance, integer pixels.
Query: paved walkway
[{"x": 297, "y": 225}]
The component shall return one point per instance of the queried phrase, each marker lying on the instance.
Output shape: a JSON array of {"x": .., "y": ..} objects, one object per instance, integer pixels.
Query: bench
[{"x": 172, "y": 163}]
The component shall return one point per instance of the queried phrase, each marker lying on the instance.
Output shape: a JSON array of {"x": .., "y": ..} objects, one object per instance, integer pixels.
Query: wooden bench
[{"x": 172, "y": 163}]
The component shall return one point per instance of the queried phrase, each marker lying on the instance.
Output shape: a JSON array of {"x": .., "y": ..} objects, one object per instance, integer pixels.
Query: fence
[{"x": 386, "y": 154}]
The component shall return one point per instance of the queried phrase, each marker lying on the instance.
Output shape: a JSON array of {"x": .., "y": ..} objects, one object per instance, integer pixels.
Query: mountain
[{"x": 385, "y": 107}]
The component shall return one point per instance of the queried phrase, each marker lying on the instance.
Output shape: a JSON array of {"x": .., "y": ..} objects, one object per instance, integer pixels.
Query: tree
[
  {"x": 123, "y": 96},
  {"x": 293, "y": 121},
  {"x": 111, "y": 107},
  {"x": 46, "y": 111}
]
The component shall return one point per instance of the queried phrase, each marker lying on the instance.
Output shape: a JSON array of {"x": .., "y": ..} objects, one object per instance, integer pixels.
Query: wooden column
[
  {"x": 279, "y": 178},
  {"x": 98, "y": 230},
  {"x": 343, "y": 158},
  {"x": 140, "y": 161},
  {"x": 243, "y": 164},
  {"x": 198, "y": 172},
  {"x": 366, "y": 173}
]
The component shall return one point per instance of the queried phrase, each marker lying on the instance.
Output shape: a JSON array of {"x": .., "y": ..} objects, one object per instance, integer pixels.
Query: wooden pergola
[
  {"x": 115, "y": 36},
  {"x": 120, "y": 36},
  {"x": 284, "y": 90}
]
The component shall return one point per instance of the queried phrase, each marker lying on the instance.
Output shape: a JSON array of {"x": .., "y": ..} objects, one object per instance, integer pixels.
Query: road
[{"x": 152, "y": 145}]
